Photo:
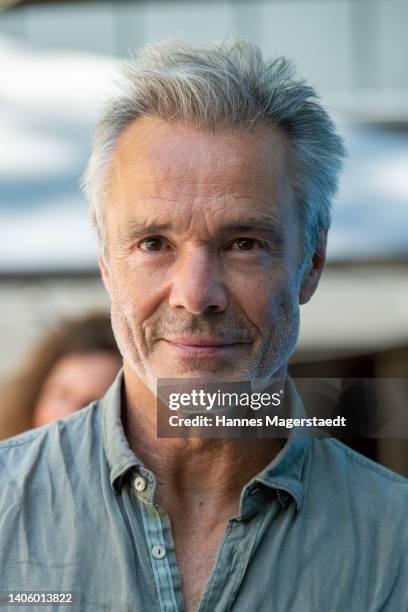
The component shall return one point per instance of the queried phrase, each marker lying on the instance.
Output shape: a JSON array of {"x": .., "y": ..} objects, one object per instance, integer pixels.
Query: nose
[{"x": 197, "y": 283}]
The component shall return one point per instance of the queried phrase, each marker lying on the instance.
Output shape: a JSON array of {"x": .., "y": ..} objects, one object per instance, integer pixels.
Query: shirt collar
[
  {"x": 120, "y": 456},
  {"x": 285, "y": 473}
]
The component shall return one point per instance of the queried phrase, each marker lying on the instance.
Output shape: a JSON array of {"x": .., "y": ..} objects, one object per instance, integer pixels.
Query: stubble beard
[{"x": 273, "y": 353}]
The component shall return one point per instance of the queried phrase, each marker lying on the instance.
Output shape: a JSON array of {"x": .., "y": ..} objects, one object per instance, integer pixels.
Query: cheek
[
  {"x": 133, "y": 293},
  {"x": 267, "y": 298}
]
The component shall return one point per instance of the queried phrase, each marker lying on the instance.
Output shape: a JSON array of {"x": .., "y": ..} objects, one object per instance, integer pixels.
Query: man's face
[{"x": 203, "y": 252}]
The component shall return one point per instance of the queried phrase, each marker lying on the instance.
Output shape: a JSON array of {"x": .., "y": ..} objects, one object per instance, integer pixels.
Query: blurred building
[{"x": 57, "y": 60}]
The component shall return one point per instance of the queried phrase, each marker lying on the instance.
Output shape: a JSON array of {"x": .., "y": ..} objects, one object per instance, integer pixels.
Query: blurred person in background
[{"x": 72, "y": 365}]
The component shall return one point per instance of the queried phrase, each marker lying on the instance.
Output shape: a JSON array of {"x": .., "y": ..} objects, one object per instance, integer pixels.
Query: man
[{"x": 210, "y": 184}]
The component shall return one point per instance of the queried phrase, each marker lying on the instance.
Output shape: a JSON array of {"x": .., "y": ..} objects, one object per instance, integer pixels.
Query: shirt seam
[
  {"x": 235, "y": 585},
  {"x": 29, "y": 436},
  {"x": 12, "y": 443},
  {"x": 105, "y": 441},
  {"x": 214, "y": 572},
  {"x": 367, "y": 463}
]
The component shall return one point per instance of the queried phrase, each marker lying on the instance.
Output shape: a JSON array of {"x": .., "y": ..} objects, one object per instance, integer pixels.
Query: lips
[
  {"x": 201, "y": 341},
  {"x": 187, "y": 347}
]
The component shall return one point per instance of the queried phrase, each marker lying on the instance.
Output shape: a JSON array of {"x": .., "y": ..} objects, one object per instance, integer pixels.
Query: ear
[
  {"x": 105, "y": 272},
  {"x": 314, "y": 269}
]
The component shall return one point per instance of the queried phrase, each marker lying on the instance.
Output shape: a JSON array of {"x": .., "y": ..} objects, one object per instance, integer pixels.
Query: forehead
[{"x": 157, "y": 163}]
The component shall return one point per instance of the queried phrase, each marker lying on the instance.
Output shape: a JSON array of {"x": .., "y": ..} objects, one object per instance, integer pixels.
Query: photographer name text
[{"x": 268, "y": 421}]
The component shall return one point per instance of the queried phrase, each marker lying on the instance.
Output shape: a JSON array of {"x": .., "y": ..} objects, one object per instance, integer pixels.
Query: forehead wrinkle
[
  {"x": 164, "y": 188},
  {"x": 153, "y": 142},
  {"x": 230, "y": 204},
  {"x": 157, "y": 186},
  {"x": 214, "y": 208},
  {"x": 265, "y": 223},
  {"x": 158, "y": 172}
]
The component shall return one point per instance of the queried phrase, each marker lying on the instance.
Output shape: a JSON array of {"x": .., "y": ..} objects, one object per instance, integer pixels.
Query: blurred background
[{"x": 57, "y": 59}]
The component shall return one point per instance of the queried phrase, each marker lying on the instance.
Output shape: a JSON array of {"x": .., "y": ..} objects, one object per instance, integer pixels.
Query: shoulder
[
  {"x": 69, "y": 424},
  {"x": 357, "y": 485},
  {"x": 343, "y": 460},
  {"x": 359, "y": 508},
  {"x": 42, "y": 452},
  {"x": 45, "y": 478}
]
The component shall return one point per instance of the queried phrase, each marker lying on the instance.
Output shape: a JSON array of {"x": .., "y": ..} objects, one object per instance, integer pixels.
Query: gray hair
[{"x": 225, "y": 86}]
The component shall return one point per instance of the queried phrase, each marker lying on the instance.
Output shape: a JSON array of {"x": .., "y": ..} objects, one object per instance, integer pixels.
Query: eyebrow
[
  {"x": 270, "y": 228},
  {"x": 134, "y": 229}
]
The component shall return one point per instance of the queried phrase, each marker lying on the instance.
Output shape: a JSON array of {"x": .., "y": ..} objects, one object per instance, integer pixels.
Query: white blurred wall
[{"x": 341, "y": 46}]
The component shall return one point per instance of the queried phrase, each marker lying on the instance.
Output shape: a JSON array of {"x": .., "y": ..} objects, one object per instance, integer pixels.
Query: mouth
[{"x": 203, "y": 346}]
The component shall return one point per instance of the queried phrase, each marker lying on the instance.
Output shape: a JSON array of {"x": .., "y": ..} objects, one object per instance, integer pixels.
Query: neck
[{"x": 189, "y": 470}]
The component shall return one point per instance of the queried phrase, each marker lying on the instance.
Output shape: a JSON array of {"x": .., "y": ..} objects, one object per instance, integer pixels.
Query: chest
[
  {"x": 277, "y": 560},
  {"x": 196, "y": 552}
]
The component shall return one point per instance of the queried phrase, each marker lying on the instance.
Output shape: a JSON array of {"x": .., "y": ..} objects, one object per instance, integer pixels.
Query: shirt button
[
  {"x": 158, "y": 551},
  {"x": 140, "y": 483}
]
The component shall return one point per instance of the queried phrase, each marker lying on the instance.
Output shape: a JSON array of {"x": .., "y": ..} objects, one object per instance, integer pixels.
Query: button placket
[{"x": 160, "y": 559}]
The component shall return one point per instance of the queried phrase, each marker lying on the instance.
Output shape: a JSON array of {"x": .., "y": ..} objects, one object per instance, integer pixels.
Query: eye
[
  {"x": 245, "y": 244},
  {"x": 152, "y": 243}
]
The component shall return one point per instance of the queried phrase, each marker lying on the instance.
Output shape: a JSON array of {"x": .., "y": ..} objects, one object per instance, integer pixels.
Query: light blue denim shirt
[{"x": 320, "y": 529}]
